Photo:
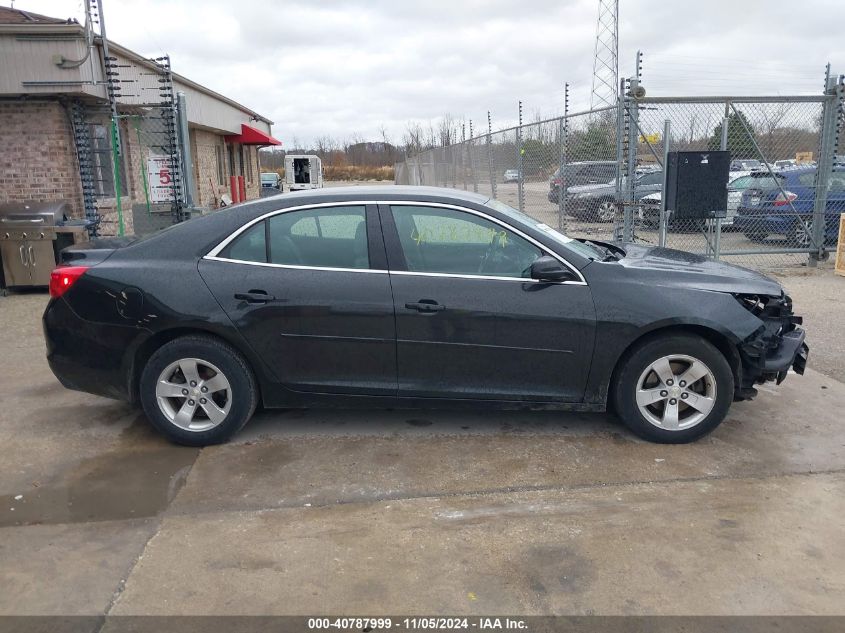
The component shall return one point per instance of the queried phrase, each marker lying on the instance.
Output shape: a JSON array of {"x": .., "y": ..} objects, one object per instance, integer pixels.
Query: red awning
[{"x": 251, "y": 136}]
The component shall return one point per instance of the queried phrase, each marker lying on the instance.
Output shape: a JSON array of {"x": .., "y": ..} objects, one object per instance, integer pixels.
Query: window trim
[{"x": 213, "y": 254}]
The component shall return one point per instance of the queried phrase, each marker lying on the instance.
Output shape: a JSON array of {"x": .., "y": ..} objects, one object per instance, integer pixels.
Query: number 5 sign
[{"x": 160, "y": 179}]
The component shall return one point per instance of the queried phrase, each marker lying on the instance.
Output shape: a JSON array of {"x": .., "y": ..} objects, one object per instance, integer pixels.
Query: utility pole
[{"x": 606, "y": 56}]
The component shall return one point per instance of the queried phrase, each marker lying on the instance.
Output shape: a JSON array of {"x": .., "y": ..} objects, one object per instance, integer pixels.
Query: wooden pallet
[{"x": 840, "y": 248}]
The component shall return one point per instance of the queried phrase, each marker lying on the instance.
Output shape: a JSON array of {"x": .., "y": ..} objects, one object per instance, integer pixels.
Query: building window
[
  {"x": 231, "y": 151},
  {"x": 102, "y": 162},
  {"x": 241, "y": 159},
  {"x": 221, "y": 165}
]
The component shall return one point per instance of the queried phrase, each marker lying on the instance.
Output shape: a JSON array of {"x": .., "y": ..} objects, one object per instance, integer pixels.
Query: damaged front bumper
[{"x": 774, "y": 348}]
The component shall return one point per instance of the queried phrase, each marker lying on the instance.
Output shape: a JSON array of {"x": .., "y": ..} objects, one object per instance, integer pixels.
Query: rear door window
[
  {"x": 249, "y": 246},
  {"x": 328, "y": 237}
]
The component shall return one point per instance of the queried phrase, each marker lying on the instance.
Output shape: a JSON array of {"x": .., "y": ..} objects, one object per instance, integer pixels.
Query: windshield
[
  {"x": 585, "y": 250},
  {"x": 653, "y": 178},
  {"x": 268, "y": 177}
]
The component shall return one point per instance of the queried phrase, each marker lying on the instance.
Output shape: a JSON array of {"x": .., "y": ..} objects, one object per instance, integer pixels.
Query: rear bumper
[
  {"x": 762, "y": 221},
  {"x": 87, "y": 356}
]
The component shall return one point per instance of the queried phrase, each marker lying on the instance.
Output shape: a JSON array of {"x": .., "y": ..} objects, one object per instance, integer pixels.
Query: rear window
[
  {"x": 766, "y": 182},
  {"x": 808, "y": 179}
]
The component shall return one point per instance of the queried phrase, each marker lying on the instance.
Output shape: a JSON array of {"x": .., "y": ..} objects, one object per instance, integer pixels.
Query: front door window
[{"x": 447, "y": 241}]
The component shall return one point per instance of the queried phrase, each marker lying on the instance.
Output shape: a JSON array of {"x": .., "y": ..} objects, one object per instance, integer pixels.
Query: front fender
[{"x": 650, "y": 309}]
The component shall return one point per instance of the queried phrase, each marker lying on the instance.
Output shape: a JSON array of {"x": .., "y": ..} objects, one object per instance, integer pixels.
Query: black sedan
[{"x": 409, "y": 296}]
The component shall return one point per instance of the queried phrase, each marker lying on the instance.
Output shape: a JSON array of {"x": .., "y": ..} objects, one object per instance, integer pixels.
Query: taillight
[
  {"x": 783, "y": 200},
  {"x": 63, "y": 277}
]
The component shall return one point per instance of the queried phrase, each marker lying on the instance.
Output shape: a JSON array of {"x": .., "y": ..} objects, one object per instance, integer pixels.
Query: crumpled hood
[{"x": 669, "y": 267}]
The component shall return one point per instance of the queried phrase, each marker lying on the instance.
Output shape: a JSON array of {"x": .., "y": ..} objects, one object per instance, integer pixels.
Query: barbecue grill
[{"x": 31, "y": 236}]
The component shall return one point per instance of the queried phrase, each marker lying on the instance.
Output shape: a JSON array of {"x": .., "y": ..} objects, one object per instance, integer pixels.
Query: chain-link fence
[{"x": 599, "y": 174}]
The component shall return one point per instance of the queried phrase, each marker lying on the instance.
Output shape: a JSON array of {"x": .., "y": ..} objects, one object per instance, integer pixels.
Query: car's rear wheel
[
  {"x": 198, "y": 390},
  {"x": 673, "y": 389}
]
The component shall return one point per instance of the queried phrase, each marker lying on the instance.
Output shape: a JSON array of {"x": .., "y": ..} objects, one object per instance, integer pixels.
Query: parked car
[
  {"x": 650, "y": 204},
  {"x": 271, "y": 179},
  {"x": 582, "y": 173},
  {"x": 788, "y": 163},
  {"x": 597, "y": 203},
  {"x": 736, "y": 185},
  {"x": 647, "y": 169},
  {"x": 409, "y": 296},
  {"x": 746, "y": 164},
  {"x": 511, "y": 175},
  {"x": 766, "y": 210}
]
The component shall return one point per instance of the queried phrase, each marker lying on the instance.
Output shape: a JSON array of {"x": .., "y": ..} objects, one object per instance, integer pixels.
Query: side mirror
[{"x": 547, "y": 268}]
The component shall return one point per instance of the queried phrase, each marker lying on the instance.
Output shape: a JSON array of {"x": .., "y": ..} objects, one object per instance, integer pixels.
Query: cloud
[{"x": 344, "y": 67}]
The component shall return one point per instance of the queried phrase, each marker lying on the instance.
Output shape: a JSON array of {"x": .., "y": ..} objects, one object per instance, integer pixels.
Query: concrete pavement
[{"x": 422, "y": 512}]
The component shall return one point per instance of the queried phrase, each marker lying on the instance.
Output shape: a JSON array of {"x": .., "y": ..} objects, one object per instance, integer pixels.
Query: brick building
[{"x": 52, "y": 70}]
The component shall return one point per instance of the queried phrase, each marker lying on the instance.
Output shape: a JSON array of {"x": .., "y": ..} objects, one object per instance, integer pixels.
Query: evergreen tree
[{"x": 740, "y": 145}]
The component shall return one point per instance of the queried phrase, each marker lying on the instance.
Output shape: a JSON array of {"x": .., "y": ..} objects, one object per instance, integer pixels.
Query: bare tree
[{"x": 771, "y": 121}]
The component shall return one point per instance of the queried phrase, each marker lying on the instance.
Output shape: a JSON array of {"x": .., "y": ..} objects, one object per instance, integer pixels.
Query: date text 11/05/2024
[{"x": 417, "y": 623}]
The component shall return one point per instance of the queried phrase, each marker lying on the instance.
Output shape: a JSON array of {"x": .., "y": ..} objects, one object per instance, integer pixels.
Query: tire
[
  {"x": 637, "y": 379},
  {"x": 226, "y": 407},
  {"x": 605, "y": 211},
  {"x": 798, "y": 235}
]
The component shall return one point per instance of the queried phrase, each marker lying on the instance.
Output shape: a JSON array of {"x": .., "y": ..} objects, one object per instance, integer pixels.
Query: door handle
[
  {"x": 425, "y": 305},
  {"x": 23, "y": 255},
  {"x": 31, "y": 256},
  {"x": 254, "y": 296}
]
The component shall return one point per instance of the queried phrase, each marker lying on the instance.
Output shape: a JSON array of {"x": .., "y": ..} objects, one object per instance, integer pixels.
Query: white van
[{"x": 303, "y": 171}]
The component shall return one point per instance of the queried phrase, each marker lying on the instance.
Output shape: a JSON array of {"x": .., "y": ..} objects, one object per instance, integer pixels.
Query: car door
[
  {"x": 308, "y": 288},
  {"x": 469, "y": 321}
]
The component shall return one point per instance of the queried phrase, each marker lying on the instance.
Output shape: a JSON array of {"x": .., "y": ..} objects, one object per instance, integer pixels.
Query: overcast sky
[{"x": 350, "y": 67}]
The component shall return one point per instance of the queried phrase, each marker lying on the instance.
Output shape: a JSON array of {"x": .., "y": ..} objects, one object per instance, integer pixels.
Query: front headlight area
[
  {"x": 777, "y": 321},
  {"x": 770, "y": 308}
]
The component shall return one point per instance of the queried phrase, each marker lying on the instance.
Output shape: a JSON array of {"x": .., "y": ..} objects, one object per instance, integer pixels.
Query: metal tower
[{"x": 606, "y": 57}]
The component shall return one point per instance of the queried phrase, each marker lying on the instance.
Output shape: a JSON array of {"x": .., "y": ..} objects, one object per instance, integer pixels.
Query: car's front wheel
[
  {"x": 198, "y": 390},
  {"x": 606, "y": 211},
  {"x": 801, "y": 234},
  {"x": 673, "y": 389}
]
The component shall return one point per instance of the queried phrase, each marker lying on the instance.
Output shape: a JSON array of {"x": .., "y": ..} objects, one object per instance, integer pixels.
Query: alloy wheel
[
  {"x": 607, "y": 211},
  {"x": 193, "y": 394},
  {"x": 676, "y": 392},
  {"x": 801, "y": 235}
]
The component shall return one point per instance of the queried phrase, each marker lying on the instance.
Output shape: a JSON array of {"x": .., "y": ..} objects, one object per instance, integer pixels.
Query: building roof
[
  {"x": 9, "y": 15},
  {"x": 19, "y": 21}
]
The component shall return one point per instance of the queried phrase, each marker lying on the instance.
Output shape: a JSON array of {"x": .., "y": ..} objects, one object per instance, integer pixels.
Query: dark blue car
[{"x": 766, "y": 210}]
